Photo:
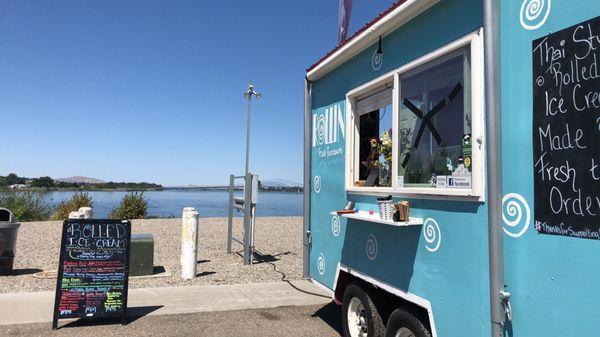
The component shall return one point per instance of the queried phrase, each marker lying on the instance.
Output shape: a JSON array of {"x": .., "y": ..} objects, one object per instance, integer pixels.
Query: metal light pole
[{"x": 248, "y": 94}]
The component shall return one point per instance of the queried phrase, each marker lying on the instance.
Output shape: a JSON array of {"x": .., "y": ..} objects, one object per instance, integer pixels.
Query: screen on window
[{"x": 435, "y": 124}]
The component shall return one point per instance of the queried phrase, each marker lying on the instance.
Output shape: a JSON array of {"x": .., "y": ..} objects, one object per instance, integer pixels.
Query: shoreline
[{"x": 191, "y": 189}]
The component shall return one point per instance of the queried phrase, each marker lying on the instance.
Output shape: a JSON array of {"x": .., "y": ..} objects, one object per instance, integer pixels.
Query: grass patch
[
  {"x": 132, "y": 206},
  {"x": 78, "y": 200},
  {"x": 26, "y": 206}
]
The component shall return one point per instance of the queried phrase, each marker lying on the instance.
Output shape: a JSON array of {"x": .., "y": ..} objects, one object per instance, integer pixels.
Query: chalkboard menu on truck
[
  {"x": 93, "y": 270},
  {"x": 566, "y": 131}
]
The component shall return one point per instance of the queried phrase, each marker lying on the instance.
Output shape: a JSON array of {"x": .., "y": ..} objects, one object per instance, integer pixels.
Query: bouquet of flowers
[{"x": 382, "y": 149}]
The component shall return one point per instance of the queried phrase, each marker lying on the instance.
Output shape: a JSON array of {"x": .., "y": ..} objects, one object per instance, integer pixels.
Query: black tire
[
  {"x": 400, "y": 319},
  {"x": 374, "y": 322}
]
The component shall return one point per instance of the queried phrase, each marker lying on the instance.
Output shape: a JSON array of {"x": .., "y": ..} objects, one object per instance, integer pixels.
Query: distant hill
[
  {"x": 80, "y": 180},
  {"x": 280, "y": 183}
]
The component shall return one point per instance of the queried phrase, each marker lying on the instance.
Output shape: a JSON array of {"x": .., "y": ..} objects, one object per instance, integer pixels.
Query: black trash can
[{"x": 8, "y": 240}]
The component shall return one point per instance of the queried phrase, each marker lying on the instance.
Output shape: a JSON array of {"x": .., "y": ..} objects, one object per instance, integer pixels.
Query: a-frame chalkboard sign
[{"x": 93, "y": 270}]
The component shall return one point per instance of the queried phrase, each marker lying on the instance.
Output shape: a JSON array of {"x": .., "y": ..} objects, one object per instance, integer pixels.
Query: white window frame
[{"x": 476, "y": 193}]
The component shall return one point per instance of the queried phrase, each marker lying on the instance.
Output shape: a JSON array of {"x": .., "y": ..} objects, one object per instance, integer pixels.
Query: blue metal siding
[
  {"x": 453, "y": 277},
  {"x": 552, "y": 278}
]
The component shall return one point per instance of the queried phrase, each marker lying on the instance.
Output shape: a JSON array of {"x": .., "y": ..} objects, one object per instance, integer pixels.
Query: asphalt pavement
[{"x": 321, "y": 320}]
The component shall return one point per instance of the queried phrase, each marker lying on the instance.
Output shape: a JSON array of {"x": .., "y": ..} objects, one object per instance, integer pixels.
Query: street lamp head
[{"x": 248, "y": 93}]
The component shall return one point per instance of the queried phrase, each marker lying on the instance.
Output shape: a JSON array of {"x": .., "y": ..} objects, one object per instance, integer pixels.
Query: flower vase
[{"x": 384, "y": 175}]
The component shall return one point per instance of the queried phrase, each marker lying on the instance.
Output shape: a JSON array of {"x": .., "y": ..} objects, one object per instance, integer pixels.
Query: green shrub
[
  {"x": 43, "y": 182},
  {"x": 77, "y": 201},
  {"x": 26, "y": 206},
  {"x": 133, "y": 206}
]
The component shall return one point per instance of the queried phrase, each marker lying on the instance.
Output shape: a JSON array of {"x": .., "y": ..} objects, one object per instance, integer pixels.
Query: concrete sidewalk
[{"x": 36, "y": 307}]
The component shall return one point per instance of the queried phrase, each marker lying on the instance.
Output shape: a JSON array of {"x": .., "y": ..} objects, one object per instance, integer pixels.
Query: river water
[{"x": 170, "y": 203}]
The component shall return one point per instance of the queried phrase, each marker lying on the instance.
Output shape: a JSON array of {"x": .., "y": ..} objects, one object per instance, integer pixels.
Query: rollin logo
[{"x": 328, "y": 127}]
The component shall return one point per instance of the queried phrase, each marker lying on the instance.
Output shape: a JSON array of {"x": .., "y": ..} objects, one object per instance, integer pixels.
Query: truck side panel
[
  {"x": 444, "y": 261},
  {"x": 552, "y": 278}
]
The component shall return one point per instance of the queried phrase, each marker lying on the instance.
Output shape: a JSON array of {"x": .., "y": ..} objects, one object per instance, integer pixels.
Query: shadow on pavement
[
  {"x": 133, "y": 314},
  {"x": 19, "y": 272},
  {"x": 205, "y": 273},
  {"x": 264, "y": 258},
  {"x": 332, "y": 315}
]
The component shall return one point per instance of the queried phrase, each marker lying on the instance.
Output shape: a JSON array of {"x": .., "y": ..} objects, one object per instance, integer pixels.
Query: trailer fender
[{"x": 345, "y": 275}]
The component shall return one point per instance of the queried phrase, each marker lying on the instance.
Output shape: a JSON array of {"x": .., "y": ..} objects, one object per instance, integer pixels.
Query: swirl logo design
[
  {"x": 372, "y": 247},
  {"x": 317, "y": 184},
  {"x": 540, "y": 81},
  {"x": 321, "y": 129},
  {"x": 321, "y": 264},
  {"x": 432, "y": 235},
  {"x": 534, "y": 13},
  {"x": 377, "y": 60},
  {"x": 516, "y": 215},
  {"x": 335, "y": 225}
]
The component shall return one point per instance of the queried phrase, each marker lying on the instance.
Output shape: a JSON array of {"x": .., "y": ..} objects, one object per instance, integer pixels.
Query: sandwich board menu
[{"x": 93, "y": 270}]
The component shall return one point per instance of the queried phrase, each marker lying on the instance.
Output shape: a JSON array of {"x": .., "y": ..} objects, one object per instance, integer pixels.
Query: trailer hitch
[{"x": 505, "y": 299}]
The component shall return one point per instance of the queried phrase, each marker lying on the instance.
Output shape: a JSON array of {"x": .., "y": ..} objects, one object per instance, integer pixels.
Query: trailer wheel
[
  {"x": 360, "y": 317},
  {"x": 403, "y": 324}
]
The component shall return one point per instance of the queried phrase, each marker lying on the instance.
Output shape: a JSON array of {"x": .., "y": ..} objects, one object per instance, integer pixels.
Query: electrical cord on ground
[{"x": 284, "y": 277}]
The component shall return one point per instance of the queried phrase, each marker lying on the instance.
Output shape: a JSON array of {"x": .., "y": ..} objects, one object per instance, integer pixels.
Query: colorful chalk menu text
[
  {"x": 566, "y": 131},
  {"x": 93, "y": 270}
]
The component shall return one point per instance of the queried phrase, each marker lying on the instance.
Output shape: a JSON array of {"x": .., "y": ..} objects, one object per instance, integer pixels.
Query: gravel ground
[
  {"x": 323, "y": 321},
  {"x": 277, "y": 238}
]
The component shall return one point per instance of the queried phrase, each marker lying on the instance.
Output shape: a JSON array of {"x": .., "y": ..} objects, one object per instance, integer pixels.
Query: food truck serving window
[
  {"x": 375, "y": 144},
  {"x": 418, "y": 129}
]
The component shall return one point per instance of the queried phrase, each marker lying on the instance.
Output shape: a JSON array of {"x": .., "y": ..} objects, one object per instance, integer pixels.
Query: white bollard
[
  {"x": 86, "y": 212},
  {"x": 75, "y": 215},
  {"x": 189, "y": 243}
]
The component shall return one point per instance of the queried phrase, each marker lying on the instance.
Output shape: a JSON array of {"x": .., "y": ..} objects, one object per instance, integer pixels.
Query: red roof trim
[{"x": 357, "y": 33}]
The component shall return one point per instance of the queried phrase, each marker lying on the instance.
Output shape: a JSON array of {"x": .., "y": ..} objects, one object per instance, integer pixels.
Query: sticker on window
[
  {"x": 467, "y": 145},
  {"x": 441, "y": 182},
  {"x": 459, "y": 182},
  {"x": 400, "y": 182}
]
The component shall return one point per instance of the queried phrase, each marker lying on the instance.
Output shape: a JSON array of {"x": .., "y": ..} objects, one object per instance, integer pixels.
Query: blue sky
[{"x": 152, "y": 90}]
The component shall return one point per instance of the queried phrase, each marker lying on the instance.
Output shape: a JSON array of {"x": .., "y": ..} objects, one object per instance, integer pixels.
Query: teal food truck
[{"x": 483, "y": 115}]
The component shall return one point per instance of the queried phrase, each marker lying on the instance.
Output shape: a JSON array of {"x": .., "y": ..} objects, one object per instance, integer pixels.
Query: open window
[
  {"x": 419, "y": 129},
  {"x": 375, "y": 114}
]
